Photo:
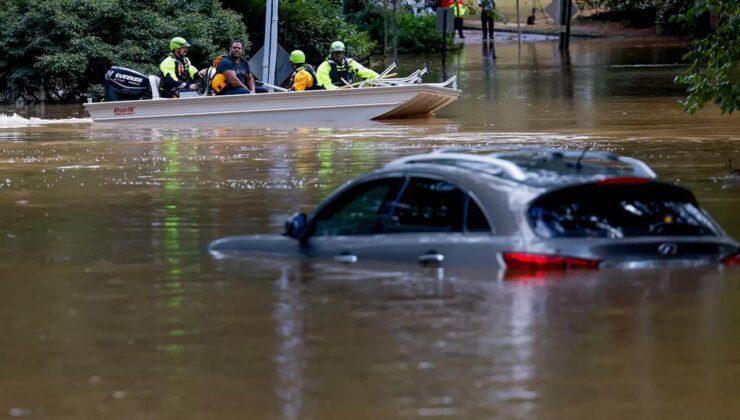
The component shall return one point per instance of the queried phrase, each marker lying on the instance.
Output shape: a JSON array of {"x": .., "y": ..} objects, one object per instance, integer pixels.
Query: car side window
[
  {"x": 359, "y": 210},
  {"x": 428, "y": 205},
  {"x": 475, "y": 220}
]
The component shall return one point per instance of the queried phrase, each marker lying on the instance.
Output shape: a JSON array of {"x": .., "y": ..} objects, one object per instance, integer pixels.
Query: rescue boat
[{"x": 371, "y": 100}]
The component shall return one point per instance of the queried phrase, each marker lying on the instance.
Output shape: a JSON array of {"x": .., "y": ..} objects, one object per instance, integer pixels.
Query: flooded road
[{"x": 112, "y": 308}]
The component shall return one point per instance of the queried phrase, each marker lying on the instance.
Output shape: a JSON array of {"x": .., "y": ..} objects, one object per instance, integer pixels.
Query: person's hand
[
  {"x": 194, "y": 86},
  {"x": 203, "y": 72}
]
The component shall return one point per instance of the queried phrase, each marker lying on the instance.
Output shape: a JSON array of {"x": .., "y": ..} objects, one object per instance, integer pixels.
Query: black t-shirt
[{"x": 241, "y": 68}]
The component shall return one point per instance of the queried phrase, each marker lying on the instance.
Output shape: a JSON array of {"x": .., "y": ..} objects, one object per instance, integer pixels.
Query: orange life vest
[{"x": 218, "y": 83}]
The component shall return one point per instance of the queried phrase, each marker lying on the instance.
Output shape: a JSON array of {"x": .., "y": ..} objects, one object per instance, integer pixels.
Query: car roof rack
[
  {"x": 507, "y": 165},
  {"x": 511, "y": 169}
]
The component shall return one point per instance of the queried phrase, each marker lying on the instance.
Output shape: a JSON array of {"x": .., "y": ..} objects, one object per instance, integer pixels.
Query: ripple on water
[{"x": 17, "y": 121}]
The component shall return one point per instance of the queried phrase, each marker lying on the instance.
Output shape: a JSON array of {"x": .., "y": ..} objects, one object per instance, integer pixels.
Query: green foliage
[
  {"x": 714, "y": 71},
  {"x": 308, "y": 25},
  {"x": 656, "y": 13},
  {"x": 416, "y": 30},
  {"x": 313, "y": 25},
  {"x": 418, "y": 34},
  {"x": 63, "y": 47}
]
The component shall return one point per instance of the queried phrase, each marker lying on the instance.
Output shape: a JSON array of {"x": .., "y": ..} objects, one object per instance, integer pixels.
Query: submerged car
[{"x": 527, "y": 210}]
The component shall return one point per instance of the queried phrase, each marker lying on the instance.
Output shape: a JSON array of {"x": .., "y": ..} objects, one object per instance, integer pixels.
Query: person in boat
[
  {"x": 304, "y": 75},
  {"x": 177, "y": 73},
  {"x": 233, "y": 76},
  {"x": 338, "y": 69}
]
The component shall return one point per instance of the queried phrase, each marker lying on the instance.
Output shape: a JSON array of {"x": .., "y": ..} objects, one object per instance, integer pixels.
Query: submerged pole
[
  {"x": 561, "y": 23},
  {"x": 564, "y": 23},
  {"x": 567, "y": 24},
  {"x": 518, "y": 23},
  {"x": 444, "y": 39}
]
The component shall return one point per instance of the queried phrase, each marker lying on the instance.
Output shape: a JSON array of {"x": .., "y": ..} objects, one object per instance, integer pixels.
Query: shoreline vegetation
[{"x": 57, "y": 51}]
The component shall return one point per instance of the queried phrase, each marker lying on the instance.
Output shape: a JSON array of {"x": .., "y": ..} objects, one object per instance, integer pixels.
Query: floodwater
[{"x": 111, "y": 308}]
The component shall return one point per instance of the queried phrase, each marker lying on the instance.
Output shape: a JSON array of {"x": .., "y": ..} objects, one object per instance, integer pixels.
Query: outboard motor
[{"x": 122, "y": 84}]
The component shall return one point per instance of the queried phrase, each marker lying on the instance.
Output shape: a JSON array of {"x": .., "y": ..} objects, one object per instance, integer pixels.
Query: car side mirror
[{"x": 297, "y": 226}]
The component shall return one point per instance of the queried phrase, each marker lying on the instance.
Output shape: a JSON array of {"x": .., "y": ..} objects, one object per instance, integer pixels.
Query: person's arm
[
  {"x": 194, "y": 75},
  {"x": 323, "y": 78},
  {"x": 301, "y": 81},
  {"x": 250, "y": 82},
  {"x": 362, "y": 71},
  {"x": 193, "y": 72},
  {"x": 226, "y": 67},
  {"x": 231, "y": 79}
]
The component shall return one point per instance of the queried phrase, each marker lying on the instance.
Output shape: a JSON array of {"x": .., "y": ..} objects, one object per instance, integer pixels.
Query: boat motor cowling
[{"x": 122, "y": 84}]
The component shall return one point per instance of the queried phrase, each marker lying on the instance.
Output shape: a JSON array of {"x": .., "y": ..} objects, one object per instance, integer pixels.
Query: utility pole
[
  {"x": 395, "y": 29},
  {"x": 269, "y": 56},
  {"x": 444, "y": 14},
  {"x": 385, "y": 29}
]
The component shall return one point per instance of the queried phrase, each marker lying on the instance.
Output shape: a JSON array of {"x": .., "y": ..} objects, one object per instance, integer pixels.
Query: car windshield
[{"x": 618, "y": 211}]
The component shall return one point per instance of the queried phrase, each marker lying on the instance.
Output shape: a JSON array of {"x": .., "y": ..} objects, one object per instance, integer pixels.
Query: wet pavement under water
[{"x": 112, "y": 308}]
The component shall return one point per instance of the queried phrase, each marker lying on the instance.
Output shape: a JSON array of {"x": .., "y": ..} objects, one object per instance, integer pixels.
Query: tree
[
  {"x": 64, "y": 47},
  {"x": 714, "y": 71},
  {"x": 308, "y": 25}
]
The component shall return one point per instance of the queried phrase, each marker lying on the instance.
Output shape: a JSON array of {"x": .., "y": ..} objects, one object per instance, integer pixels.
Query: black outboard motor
[{"x": 122, "y": 84}]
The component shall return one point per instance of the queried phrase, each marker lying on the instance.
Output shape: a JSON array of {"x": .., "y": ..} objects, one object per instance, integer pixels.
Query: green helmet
[
  {"x": 297, "y": 57},
  {"x": 337, "y": 46},
  {"x": 178, "y": 42}
]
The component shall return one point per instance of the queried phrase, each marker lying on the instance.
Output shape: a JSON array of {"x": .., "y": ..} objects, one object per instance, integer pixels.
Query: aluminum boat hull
[{"x": 341, "y": 105}]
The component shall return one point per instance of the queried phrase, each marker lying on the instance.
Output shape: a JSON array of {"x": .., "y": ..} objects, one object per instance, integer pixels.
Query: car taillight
[
  {"x": 538, "y": 262},
  {"x": 623, "y": 181},
  {"x": 733, "y": 259}
]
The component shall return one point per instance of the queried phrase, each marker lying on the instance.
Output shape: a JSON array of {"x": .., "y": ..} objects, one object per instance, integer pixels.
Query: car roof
[{"x": 540, "y": 168}]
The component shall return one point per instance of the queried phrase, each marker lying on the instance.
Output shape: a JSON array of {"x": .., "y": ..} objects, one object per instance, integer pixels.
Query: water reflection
[
  {"x": 289, "y": 317},
  {"x": 114, "y": 309}
]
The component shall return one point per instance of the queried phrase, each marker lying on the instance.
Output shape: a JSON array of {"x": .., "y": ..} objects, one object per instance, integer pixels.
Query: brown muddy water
[{"x": 111, "y": 308}]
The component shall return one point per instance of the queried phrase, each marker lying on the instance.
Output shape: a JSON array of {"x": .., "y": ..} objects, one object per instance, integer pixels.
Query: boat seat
[{"x": 154, "y": 84}]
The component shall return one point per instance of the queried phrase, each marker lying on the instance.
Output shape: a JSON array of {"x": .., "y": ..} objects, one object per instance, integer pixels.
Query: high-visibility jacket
[
  {"x": 330, "y": 74},
  {"x": 175, "y": 71},
  {"x": 459, "y": 8},
  {"x": 303, "y": 78}
]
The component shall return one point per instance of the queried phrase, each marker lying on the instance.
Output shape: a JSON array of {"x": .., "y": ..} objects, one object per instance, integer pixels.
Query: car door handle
[
  {"x": 346, "y": 258},
  {"x": 431, "y": 257}
]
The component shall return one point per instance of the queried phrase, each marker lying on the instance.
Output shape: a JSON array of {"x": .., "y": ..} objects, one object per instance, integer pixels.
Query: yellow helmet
[
  {"x": 297, "y": 57},
  {"x": 178, "y": 42},
  {"x": 337, "y": 46}
]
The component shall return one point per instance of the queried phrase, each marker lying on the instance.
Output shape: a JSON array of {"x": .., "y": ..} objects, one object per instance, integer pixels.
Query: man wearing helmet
[
  {"x": 304, "y": 75},
  {"x": 337, "y": 67},
  {"x": 177, "y": 72}
]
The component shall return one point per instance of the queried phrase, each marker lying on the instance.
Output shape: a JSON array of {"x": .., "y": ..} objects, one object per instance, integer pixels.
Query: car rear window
[{"x": 618, "y": 211}]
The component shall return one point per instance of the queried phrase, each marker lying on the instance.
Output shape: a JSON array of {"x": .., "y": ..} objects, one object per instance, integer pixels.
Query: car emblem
[{"x": 667, "y": 249}]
